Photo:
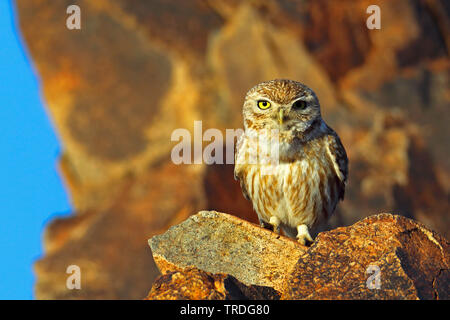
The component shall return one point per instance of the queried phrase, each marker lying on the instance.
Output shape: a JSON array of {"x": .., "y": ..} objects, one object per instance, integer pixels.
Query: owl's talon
[
  {"x": 264, "y": 224},
  {"x": 303, "y": 234},
  {"x": 275, "y": 222}
]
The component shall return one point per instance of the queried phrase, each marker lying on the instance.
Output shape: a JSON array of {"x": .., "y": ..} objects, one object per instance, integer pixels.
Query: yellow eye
[{"x": 263, "y": 104}]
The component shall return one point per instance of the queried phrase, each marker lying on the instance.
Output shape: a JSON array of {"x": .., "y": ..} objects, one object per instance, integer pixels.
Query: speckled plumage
[{"x": 300, "y": 187}]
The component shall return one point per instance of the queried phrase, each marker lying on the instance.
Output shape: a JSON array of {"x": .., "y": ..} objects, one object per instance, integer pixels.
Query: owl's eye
[
  {"x": 263, "y": 104},
  {"x": 299, "y": 105}
]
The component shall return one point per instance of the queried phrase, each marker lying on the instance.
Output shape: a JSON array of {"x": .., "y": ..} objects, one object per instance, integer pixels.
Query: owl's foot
[
  {"x": 303, "y": 234},
  {"x": 275, "y": 222},
  {"x": 272, "y": 225}
]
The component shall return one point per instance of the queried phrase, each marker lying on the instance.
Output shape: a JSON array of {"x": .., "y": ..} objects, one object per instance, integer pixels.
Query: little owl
[{"x": 300, "y": 187}]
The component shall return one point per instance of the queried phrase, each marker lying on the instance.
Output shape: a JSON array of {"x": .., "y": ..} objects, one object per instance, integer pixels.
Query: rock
[
  {"x": 198, "y": 255},
  {"x": 194, "y": 284},
  {"x": 220, "y": 243},
  {"x": 413, "y": 262}
]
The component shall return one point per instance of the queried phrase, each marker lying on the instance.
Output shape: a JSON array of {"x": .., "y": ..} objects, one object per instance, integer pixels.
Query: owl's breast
[{"x": 298, "y": 192}]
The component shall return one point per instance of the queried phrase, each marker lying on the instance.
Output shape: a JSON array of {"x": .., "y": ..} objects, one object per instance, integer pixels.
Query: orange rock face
[
  {"x": 137, "y": 70},
  {"x": 194, "y": 284}
]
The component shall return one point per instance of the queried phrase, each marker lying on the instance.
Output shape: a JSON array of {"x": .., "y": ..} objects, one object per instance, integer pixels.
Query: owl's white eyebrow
[
  {"x": 263, "y": 99},
  {"x": 305, "y": 97}
]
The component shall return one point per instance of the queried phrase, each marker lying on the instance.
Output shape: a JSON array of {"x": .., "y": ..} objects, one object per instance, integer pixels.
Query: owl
[{"x": 290, "y": 164}]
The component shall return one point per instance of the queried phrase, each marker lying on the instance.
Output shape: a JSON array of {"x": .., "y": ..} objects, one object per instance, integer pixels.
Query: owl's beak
[{"x": 280, "y": 116}]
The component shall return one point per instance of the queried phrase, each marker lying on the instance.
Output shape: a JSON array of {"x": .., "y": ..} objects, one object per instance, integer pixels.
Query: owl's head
[{"x": 280, "y": 104}]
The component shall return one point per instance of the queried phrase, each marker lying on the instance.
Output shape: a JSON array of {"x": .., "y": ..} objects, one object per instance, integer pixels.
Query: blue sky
[{"x": 31, "y": 191}]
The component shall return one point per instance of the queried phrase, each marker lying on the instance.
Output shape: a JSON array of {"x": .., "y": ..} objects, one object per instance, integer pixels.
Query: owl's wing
[
  {"x": 339, "y": 158},
  {"x": 238, "y": 167}
]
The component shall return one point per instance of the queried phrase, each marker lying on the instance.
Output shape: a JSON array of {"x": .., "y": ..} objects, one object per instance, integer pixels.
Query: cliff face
[
  {"x": 137, "y": 70},
  {"x": 217, "y": 256}
]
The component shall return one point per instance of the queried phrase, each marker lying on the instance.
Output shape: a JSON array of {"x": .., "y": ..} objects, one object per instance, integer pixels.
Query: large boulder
[{"x": 221, "y": 243}]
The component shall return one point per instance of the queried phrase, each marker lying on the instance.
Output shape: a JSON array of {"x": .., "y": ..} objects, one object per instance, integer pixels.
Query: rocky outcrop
[
  {"x": 381, "y": 257},
  {"x": 221, "y": 243},
  {"x": 137, "y": 70},
  {"x": 412, "y": 262}
]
